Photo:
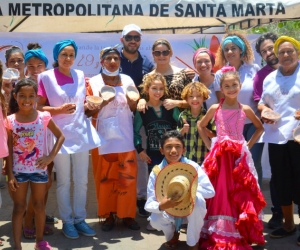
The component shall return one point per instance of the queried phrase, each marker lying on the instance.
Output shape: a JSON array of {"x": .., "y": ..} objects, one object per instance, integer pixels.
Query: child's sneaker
[
  {"x": 42, "y": 245},
  {"x": 83, "y": 228}
]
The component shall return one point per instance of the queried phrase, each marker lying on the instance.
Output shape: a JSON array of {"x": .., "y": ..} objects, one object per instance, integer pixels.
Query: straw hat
[{"x": 178, "y": 181}]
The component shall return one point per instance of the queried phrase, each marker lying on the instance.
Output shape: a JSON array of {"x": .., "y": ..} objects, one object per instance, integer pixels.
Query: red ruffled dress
[{"x": 234, "y": 215}]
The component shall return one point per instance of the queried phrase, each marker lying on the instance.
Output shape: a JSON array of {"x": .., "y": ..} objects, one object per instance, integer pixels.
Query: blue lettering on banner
[{"x": 161, "y": 10}]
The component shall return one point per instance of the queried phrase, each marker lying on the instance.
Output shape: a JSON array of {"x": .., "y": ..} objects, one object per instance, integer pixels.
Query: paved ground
[{"x": 120, "y": 238}]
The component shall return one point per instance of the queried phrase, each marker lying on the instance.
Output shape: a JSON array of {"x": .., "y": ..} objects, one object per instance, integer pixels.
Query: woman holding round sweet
[
  {"x": 114, "y": 162},
  {"x": 281, "y": 94},
  {"x": 62, "y": 92},
  {"x": 204, "y": 61},
  {"x": 176, "y": 78},
  {"x": 235, "y": 50}
]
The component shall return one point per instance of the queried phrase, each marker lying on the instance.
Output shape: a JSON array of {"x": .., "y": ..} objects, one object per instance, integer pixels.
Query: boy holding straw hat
[{"x": 177, "y": 189}]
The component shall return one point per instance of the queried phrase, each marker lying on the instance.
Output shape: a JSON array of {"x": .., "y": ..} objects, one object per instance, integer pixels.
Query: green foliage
[
  {"x": 285, "y": 28},
  {"x": 201, "y": 44}
]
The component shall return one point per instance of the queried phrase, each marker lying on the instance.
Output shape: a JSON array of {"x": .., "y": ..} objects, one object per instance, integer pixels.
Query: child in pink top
[
  {"x": 28, "y": 163},
  {"x": 233, "y": 215}
]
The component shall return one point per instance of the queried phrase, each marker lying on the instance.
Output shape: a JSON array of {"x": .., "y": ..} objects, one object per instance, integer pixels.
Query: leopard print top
[{"x": 175, "y": 84}]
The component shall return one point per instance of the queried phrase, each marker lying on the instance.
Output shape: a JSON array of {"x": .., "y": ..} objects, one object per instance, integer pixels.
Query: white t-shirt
[
  {"x": 247, "y": 73},
  {"x": 282, "y": 94}
]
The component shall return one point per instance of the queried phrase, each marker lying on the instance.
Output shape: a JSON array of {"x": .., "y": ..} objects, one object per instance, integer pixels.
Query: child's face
[
  {"x": 172, "y": 149},
  {"x": 156, "y": 90},
  {"x": 230, "y": 86},
  {"x": 195, "y": 100},
  {"x": 26, "y": 98}
]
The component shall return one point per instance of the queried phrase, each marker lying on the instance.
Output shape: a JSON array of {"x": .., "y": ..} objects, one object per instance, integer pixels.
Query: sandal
[
  {"x": 108, "y": 224},
  {"x": 173, "y": 243},
  {"x": 42, "y": 245},
  {"x": 48, "y": 230},
  {"x": 131, "y": 223},
  {"x": 28, "y": 234},
  {"x": 51, "y": 220}
]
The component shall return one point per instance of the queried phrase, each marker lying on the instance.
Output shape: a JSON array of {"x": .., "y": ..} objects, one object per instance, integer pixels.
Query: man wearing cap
[{"x": 136, "y": 66}]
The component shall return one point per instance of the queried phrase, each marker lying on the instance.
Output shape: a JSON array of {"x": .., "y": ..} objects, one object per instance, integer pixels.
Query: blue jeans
[
  {"x": 38, "y": 177},
  {"x": 256, "y": 150},
  {"x": 76, "y": 212}
]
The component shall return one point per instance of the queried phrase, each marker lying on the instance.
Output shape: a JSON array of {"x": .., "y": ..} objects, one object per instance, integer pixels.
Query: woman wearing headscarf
[
  {"x": 204, "y": 61},
  {"x": 281, "y": 93},
  {"x": 62, "y": 93},
  {"x": 236, "y": 51},
  {"x": 114, "y": 162}
]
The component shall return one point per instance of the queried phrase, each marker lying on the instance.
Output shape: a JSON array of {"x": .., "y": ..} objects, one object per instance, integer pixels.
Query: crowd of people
[{"x": 204, "y": 132}]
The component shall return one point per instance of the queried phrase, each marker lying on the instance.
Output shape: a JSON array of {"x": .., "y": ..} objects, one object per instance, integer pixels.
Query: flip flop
[
  {"x": 29, "y": 233},
  {"x": 48, "y": 230}
]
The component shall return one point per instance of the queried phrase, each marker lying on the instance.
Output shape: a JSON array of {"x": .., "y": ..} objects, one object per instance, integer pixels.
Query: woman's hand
[
  {"x": 144, "y": 157},
  {"x": 91, "y": 106},
  {"x": 189, "y": 73},
  {"x": 67, "y": 108},
  {"x": 170, "y": 104},
  {"x": 264, "y": 119},
  {"x": 7, "y": 86},
  {"x": 142, "y": 106}
]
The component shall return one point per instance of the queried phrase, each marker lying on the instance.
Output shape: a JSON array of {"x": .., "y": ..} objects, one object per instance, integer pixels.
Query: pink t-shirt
[
  {"x": 29, "y": 141},
  {"x": 3, "y": 136},
  {"x": 61, "y": 80}
]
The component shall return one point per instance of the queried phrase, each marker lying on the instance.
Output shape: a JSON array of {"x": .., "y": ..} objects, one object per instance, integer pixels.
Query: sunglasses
[
  {"x": 129, "y": 38},
  {"x": 158, "y": 53}
]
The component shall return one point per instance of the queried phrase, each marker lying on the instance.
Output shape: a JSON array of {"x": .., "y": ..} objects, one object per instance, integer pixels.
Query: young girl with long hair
[
  {"x": 29, "y": 159},
  {"x": 233, "y": 219},
  {"x": 156, "y": 120}
]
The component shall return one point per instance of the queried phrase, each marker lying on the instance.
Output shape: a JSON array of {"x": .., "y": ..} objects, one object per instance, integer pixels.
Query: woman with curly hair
[{"x": 235, "y": 50}]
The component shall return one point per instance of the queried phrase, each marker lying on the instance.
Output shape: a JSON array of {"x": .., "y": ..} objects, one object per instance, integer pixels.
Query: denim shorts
[{"x": 41, "y": 177}]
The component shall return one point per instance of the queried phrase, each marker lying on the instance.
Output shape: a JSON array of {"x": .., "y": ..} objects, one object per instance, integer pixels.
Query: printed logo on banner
[{"x": 90, "y": 45}]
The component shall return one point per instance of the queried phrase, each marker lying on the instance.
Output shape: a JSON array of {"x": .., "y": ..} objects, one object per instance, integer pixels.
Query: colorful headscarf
[
  {"x": 237, "y": 41},
  {"x": 283, "y": 39},
  {"x": 104, "y": 52},
  {"x": 62, "y": 44},
  {"x": 38, "y": 53},
  {"x": 207, "y": 51}
]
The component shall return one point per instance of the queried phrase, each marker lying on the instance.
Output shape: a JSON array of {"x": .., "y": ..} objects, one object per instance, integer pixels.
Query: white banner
[
  {"x": 90, "y": 45},
  {"x": 158, "y": 8}
]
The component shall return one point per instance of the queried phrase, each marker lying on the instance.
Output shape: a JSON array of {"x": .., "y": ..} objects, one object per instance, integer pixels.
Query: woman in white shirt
[{"x": 281, "y": 93}]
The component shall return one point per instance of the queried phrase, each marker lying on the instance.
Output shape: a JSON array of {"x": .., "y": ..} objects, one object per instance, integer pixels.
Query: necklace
[{"x": 112, "y": 83}]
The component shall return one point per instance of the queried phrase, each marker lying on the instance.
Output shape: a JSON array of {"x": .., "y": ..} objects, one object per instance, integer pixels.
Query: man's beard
[
  {"x": 272, "y": 62},
  {"x": 129, "y": 51}
]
